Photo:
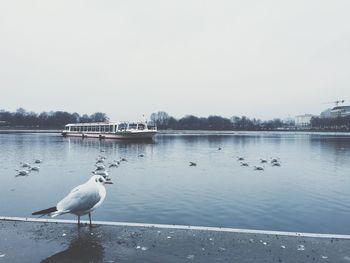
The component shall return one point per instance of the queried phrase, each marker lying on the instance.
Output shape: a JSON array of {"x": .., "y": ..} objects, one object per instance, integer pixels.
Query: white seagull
[{"x": 82, "y": 200}]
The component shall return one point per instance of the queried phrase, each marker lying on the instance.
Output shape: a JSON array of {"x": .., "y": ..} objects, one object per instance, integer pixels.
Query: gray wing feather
[{"x": 79, "y": 199}]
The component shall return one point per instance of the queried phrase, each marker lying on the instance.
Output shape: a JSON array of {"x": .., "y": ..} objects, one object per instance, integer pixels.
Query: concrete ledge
[
  {"x": 52, "y": 240},
  {"x": 183, "y": 227}
]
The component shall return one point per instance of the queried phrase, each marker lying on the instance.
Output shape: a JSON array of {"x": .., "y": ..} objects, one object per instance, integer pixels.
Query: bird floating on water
[
  {"x": 22, "y": 172},
  {"x": 82, "y": 200},
  {"x": 263, "y": 161},
  {"x": 141, "y": 155},
  {"x": 244, "y": 164},
  {"x": 276, "y": 164},
  {"x": 35, "y": 168},
  {"x": 258, "y": 168},
  {"x": 100, "y": 167},
  {"x": 103, "y": 173},
  {"x": 24, "y": 164},
  {"x": 38, "y": 161},
  {"x": 240, "y": 159},
  {"x": 113, "y": 165},
  {"x": 100, "y": 161}
]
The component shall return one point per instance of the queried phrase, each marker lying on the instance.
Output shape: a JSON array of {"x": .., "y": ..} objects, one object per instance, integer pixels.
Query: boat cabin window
[
  {"x": 106, "y": 128},
  {"x": 132, "y": 126},
  {"x": 122, "y": 126},
  {"x": 141, "y": 126}
]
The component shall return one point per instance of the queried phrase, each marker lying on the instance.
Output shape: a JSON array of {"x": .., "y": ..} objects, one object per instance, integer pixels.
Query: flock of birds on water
[
  {"x": 26, "y": 168},
  {"x": 101, "y": 166},
  {"x": 85, "y": 198},
  {"x": 274, "y": 162}
]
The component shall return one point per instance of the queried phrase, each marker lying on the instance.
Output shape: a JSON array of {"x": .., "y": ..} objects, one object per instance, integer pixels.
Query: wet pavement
[{"x": 28, "y": 241}]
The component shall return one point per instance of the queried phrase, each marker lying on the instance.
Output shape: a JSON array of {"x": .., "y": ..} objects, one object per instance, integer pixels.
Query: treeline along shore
[
  {"x": 166, "y": 122},
  {"x": 22, "y": 119}
]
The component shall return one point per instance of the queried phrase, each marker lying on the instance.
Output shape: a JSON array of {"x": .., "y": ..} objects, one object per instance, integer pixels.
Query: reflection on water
[
  {"x": 309, "y": 192},
  {"x": 84, "y": 248}
]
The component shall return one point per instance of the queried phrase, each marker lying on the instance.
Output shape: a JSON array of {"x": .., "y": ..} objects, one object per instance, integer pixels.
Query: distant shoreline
[
  {"x": 29, "y": 131},
  {"x": 200, "y": 132}
]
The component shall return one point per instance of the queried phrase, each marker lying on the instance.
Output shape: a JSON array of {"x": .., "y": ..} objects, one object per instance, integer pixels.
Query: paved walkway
[{"x": 39, "y": 240}]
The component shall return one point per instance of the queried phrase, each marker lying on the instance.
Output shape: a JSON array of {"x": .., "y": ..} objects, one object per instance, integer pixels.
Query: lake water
[{"x": 310, "y": 192}]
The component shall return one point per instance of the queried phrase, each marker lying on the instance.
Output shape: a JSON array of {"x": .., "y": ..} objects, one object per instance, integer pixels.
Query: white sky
[{"x": 256, "y": 58}]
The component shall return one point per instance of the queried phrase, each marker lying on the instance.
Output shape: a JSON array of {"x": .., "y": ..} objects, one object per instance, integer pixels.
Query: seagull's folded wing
[{"x": 80, "y": 199}]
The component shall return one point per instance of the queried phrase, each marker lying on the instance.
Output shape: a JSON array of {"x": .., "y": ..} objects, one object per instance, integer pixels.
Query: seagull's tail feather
[{"x": 45, "y": 211}]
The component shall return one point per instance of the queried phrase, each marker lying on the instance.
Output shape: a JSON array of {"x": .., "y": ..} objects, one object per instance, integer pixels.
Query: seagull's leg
[
  {"x": 90, "y": 218},
  {"x": 78, "y": 221}
]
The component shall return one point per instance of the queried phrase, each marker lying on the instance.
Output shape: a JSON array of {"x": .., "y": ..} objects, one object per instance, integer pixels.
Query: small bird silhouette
[{"x": 193, "y": 164}]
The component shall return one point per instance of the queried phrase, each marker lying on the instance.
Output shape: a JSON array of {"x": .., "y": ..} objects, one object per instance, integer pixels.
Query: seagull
[
  {"x": 263, "y": 161},
  {"x": 123, "y": 160},
  {"x": 113, "y": 165},
  {"x": 240, "y": 159},
  {"x": 244, "y": 164},
  {"x": 274, "y": 161},
  {"x": 38, "y": 161},
  {"x": 141, "y": 155},
  {"x": 100, "y": 161},
  {"x": 82, "y": 200},
  {"x": 193, "y": 164},
  {"x": 22, "y": 173},
  {"x": 258, "y": 168},
  {"x": 101, "y": 157},
  {"x": 35, "y": 168},
  {"x": 219, "y": 149},
  {"x": 276, "y": 164},
  {"x": 25, "y": 164},
  {"x": 100, "y": 167},
  {"x": 103, "y": 173}
]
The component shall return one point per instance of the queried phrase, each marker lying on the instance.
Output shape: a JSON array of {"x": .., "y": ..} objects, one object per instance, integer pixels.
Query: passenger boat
[{"x": 111, "y": 130}]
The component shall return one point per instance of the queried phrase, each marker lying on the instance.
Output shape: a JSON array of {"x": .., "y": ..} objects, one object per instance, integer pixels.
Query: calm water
[{"x": 310, "y": 192}]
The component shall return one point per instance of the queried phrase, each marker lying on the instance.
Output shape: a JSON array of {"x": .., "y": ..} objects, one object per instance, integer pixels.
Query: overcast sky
[{"x": 256, "y": 58}]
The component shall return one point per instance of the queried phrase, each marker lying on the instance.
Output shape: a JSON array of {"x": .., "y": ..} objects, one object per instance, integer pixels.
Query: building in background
[
  {"x": 303, "y": 120},
  {"x": 340, "y": 111},
  {"x": 326, "y": 114}
]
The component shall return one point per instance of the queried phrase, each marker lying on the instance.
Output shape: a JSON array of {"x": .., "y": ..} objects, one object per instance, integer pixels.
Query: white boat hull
[{"x": 125, "y": 135}]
